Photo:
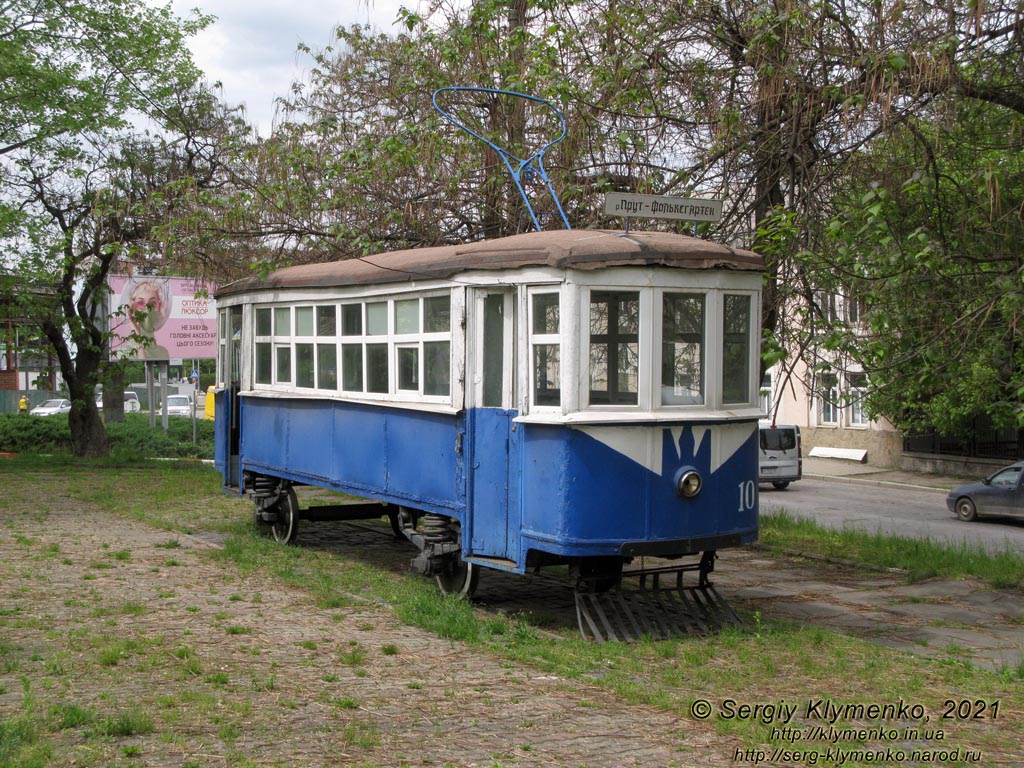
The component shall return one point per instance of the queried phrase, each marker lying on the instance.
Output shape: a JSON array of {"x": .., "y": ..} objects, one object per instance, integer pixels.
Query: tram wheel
[
  {"x": 966, "y": 510},
  {"x": 460, "y": 581},
  {"x": 286, "y": 527}
]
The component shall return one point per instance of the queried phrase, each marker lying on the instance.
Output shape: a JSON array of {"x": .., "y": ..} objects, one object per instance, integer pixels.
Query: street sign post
[{"x": 662, "y": 207}]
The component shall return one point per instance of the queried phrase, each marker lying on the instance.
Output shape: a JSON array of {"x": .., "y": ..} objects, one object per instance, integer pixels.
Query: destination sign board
[{"x": 662, "y": 207}]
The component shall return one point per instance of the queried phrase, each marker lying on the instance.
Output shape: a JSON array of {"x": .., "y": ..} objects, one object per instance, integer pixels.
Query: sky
[{"x": 251, "y": 49}]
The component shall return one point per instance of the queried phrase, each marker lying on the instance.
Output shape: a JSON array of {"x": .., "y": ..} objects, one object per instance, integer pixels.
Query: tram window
[
  {"x": 264, "y": 348},
  {"x": 437, "y": 368},
  {"x": 352, "y": 320},
  {"x": 264, "y": 363},
  {"x": 544, "y": 343},
  {"x": 545, "y": 313},
  {"x": 736, "y": 350},
  {"x": 614, "y": 347},
  {"x": 437, "y": 314},
  {"x": 222, "y": 345},
  {"x": 304, "y": 365},
  {"x": 264, "y": 326},
  {"x": 407, "y": 316},
  {"x": 284, "y": 364},
  {"x": 326, "y": 366},
  {"x": 547, "y": 373},
  {"x": 235, "y": 321},
  {"x": 682, "y": 349},
  {"x": 282, "y": 321},
  {"x": 408, "y": 368},
  {"x": 377, "y": 319},
  {"x": 376, "y": 367},
  {"x": 388, "y": 346},
  {"x": 326, "y": 321},
  {"x": 352, "y": 367},
  {"x": 303, "y": 321}
]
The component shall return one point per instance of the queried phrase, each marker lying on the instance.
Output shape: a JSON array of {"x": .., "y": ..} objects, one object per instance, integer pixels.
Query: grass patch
[
  {"x": 920, "y": 558},
  {"x": 128, "y": 723},
  {"x": 20, "y": 744},
  {"x": 67, "y": 716}
]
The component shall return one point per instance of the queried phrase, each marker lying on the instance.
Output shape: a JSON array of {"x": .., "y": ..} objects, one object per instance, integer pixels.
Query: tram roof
[{"x": 561, "y": 249}]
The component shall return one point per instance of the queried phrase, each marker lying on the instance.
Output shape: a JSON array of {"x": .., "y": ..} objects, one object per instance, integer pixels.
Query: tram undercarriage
[{"x": 614, "y": 601}]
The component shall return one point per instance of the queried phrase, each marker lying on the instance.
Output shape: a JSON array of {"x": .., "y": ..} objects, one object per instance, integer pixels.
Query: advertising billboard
[{"x": 162, "y": 318}]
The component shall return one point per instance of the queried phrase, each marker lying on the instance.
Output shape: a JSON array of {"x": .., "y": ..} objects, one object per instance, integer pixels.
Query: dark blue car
[{"x": 998, "y": 494}]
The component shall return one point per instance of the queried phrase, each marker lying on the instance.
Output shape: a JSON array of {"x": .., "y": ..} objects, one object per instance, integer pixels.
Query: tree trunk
[
  {"x": 88, "y": 434},
  {"x": 113, "y": 396}
]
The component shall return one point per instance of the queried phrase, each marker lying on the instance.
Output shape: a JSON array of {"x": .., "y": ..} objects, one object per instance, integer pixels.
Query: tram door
[
  {"x": 227, "y": 429},
  {"x": 493, "y": 454}
]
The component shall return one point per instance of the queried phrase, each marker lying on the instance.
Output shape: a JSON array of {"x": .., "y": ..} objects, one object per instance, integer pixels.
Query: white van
[{"x": 781, "y": 461}]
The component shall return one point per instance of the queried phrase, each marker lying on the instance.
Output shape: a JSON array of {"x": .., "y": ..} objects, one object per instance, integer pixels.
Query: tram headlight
[{"x": 688, "y": 482}]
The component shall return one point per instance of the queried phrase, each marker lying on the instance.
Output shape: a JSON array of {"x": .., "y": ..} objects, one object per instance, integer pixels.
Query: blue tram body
[{"x": 581, "y": 397}]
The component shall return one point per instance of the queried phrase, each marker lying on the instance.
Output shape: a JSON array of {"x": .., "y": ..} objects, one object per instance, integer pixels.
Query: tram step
[{"x": 628, "y": 615}]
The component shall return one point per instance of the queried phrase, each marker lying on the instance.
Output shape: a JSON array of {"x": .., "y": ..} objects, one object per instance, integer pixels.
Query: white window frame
[
  {"x": 659, "y": 346},
  {"x": 644, "y": 349},
  {"x": 753, "y": 348},
  {"x": 392, "y": 340},
  {"x": 556, "y": 339},
  {"x": 651, "y": 334}
]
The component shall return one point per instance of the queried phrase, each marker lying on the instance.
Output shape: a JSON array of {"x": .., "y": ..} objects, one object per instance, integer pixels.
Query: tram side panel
[
  {"x": 613, "y": 490},
  {"x": 409, "y": 458}
]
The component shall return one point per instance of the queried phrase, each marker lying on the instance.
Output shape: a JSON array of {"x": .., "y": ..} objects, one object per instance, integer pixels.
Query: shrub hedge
[{"x": 132, "y": 438}]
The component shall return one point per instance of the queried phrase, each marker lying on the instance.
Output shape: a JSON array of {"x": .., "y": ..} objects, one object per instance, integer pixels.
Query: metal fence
[{"x": 985, "y": 442}]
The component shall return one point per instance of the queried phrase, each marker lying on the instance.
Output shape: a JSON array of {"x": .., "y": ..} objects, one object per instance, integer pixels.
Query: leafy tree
[
  {"x": 83, "y": 186},
  {"x": 932, "y": 250}
]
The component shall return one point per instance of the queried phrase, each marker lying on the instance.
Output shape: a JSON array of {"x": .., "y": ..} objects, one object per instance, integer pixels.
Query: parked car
[
  {"x": 179, "y": 405},
  {"x": 131, "y": 402},
  {"x": 998, "y": 494},
  {"x": 52, "y": 407},
  {"x": 781, "y": 461}
]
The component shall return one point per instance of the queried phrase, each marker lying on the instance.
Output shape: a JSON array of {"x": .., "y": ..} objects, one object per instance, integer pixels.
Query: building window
[
  {"x": 857, "y": 392},
  {"x": 828, "y": 395},
  {"x": 545, "y": 347},
  {"x": 829, "y": 304}
]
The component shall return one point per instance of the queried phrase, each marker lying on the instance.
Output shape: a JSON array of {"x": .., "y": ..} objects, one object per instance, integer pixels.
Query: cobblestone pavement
[{"x": 119, "y": 615}]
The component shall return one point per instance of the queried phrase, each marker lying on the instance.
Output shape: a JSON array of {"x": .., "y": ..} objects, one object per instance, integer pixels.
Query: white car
[
  {"x": 179, "y": 405},
  {"x": 52, "y": 407}
]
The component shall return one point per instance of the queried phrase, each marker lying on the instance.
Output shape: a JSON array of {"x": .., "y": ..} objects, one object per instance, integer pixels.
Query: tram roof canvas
[{"x": 562, "y": 249}]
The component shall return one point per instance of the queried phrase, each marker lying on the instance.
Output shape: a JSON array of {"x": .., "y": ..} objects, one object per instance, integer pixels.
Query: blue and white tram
[{"x": 573, "y": 397}]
